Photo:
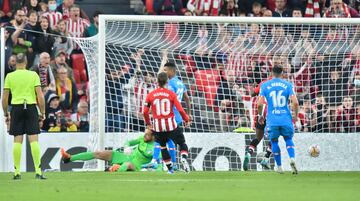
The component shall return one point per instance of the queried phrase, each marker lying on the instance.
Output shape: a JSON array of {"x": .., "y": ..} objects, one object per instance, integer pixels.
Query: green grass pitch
[{"x": 196, "y": 186}]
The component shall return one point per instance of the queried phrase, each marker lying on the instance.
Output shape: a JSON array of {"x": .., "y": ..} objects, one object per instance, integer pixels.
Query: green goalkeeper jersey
[{"x": 143, "y": 153}]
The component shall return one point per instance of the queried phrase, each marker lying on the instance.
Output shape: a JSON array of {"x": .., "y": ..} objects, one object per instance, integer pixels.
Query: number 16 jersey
[{"x": 277, "y": 92}]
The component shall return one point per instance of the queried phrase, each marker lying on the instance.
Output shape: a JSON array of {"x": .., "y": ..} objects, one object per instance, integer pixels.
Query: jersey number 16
[{"x": 278, "y": 99}]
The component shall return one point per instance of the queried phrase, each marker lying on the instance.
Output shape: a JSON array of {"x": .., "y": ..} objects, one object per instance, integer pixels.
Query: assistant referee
[{"x": 24, "y": 85}]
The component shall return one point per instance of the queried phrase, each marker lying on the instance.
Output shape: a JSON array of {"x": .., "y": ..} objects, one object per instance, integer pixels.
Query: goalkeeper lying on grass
[{"x": 121, "y": 161}]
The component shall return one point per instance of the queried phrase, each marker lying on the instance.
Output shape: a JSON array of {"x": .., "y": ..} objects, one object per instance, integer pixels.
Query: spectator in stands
[
  {"x": 229, "y": 100},
  {"x": 309, "y": 114},
  {"x": 64, "y": 9},
  {"x": 10, "y": 66},
  {"x": 267, "y": 13},
  {"x": 253, "y": 36},
  {"x": 280, "y": 43},
  {"x": 44, "y": 38},
  {"x": 229, "y": 8},
  {"x": 32, "y": 5},
  {"x": 63, "y": 42},
  {"x": 8, "y": 45},
  {"x": 60, "y": 61},
  {"x": 64, "y": 124},
  {"x": 20, "y": 39},
  {"x": 339, "y": 9},
  {"x": 53, "y": 111},
  {"x": 168, "y": 7},
  {"x": 114, "y": 99},
  {"x": 335, "y": 88},
  {"x": 140, "y": 85},
  {"x": 67, "y": 91},
  {"x": 43, "y": 69},
  {"x": 76, "y": 25},
  {"x": 81, "y": 118},
  {"x": 245, "y": 6},
  {"x": 357, "y": 123},
  {"x": 43, "y": 8},
  {"x": 33, "y": 23},
  {"x": 281, "y": 9},
  {"x": 256, "y": 10},
  {"x": 53, "y": 16},
  {"x": 92, "y": 30},
  {"x": 357, "y": 89},
  {"x": 346, "y": 115},
  {"x": 322, "y": 114}
]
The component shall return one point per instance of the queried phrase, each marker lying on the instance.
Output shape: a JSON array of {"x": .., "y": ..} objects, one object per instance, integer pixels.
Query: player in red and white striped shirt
[
  {"x": 53, "y": 16},
  {"x": 76, "y": 25},
  {"x": 161, "y": 101}
]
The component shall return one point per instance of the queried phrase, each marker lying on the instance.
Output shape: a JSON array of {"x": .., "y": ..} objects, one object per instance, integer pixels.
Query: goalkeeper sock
[
  {"x": 156, "y": 153},
  {"x": 172, "y": 150},
  {"x": 290, "y": 146},
  {"x": 268, "y": 151},
  {"x": 35, "y": 152},
  {"x": 82, "y": 156},
  {"x": 17, "y": 156},
  {"x": 276, "y": 152}
]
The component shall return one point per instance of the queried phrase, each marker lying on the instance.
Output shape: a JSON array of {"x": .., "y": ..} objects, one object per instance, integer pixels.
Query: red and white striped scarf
[
  {"x": 211, "y": 7},
  {"x": 312, "y": 9}
]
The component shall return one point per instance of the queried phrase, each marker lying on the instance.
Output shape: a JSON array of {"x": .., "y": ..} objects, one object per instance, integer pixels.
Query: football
[{"x": 314, "y": 150}]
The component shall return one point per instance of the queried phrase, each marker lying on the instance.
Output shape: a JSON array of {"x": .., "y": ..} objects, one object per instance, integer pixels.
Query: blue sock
[
  {"x": 290, "y": 146},
  {"x": 276, "y": 152},
  {"x": 172, "y": 150},
  {"x": 157, "y": 151}
]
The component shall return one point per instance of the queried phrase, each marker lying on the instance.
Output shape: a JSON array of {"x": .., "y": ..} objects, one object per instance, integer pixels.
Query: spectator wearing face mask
[{"x": 53, "y": 16}]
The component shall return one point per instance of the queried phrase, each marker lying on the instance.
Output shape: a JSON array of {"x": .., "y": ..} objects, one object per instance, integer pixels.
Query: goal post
[{"x": 129, "y": 51}]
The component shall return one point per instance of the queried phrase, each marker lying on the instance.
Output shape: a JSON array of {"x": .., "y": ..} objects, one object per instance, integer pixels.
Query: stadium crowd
[{"x": 327, "y": 81}]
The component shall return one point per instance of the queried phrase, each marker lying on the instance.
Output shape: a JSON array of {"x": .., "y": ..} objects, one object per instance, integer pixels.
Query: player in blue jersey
[
  {"x": 277, "y": 93},
  {"x": 177, "y": 86}
]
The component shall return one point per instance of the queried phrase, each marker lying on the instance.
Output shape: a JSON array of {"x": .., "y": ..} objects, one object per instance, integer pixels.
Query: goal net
[{"x": 221, "y": 62}]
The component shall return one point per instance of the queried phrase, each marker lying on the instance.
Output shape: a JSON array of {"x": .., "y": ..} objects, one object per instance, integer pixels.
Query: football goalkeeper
[{"x": 120, "y": 160}]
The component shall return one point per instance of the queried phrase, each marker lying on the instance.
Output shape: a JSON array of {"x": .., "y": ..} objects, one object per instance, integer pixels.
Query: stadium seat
[
  {"x": 77, "y": 76},
  {"x": 204, "y": 78},
  {"x": 210, "y": 94},
  {"x": 78, "y": 62},
  {"x": 83, "y": 76}
]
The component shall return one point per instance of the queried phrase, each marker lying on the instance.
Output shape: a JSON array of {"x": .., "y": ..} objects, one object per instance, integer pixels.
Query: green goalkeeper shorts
[{"x": 119, "y": 157}]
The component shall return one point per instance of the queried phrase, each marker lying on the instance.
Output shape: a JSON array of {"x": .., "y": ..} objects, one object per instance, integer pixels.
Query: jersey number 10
[
  {"x": 162, "y": 107},
  {"x": 278, "y": 99}
]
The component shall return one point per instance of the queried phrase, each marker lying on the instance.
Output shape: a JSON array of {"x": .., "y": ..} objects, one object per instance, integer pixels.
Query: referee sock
[
  {"x": 17, "y": 157},
  {"x": 35, "y": 152},
  {"x": 82, "y": 156}
]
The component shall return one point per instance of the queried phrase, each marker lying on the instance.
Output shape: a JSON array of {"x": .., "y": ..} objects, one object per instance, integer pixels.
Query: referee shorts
[{"x": 24, "y": 121}]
